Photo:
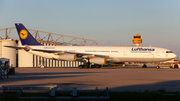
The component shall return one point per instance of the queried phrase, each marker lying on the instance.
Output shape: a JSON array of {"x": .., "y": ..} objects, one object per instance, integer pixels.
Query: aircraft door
[
  {"x": 124, "y": 52},
  {"x": 158, "y": 52}
]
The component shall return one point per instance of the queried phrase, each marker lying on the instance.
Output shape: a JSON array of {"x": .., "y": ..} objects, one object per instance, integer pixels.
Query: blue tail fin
[{"x": 24, "y": 35}]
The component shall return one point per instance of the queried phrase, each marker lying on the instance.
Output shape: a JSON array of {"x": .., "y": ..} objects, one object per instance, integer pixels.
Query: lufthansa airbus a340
[{"x": 97, "y": 55}]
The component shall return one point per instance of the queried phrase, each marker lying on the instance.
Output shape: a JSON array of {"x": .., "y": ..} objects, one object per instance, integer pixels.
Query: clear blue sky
[{"x": 109, "y": 22}]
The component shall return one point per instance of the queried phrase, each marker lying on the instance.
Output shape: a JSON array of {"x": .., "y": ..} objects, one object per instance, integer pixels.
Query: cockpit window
[
  {"x": 137, "y": 36},
  {"x": 169, "y": 52}
]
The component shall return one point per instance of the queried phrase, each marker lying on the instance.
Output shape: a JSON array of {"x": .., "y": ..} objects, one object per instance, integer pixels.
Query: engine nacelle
[
  {"x": 68, "y": 57},
  {"x": 98, "y": 60}
]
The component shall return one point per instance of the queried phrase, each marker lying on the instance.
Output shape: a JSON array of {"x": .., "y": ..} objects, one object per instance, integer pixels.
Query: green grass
[{"x": 115, "y": 96}]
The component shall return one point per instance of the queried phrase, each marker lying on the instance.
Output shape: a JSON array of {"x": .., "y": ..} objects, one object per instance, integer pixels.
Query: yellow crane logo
[{"x": 23, "y": 34}]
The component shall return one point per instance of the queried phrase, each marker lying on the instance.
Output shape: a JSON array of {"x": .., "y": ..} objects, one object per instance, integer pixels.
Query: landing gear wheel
[
  {"x": 86, "y": 66},
  {"x": 144, "y": 66},
  {"x": 97, "y": 66},
  {"x": 176, "y": 66},
  {"x": 81, "y": 66},
  {"x": 92, "y": 66},
  {"x": 157, "y": 67}
]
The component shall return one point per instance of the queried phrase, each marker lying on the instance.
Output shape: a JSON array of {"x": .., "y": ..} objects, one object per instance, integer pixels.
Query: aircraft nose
[{"x": 174, "y": 55}]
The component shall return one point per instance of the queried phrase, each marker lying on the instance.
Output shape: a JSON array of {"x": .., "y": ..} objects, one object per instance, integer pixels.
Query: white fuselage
[{"x": 118, "y": 54}]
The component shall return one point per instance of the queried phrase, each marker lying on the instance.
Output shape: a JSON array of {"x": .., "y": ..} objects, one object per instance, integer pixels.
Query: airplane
[{"x": 94, "y": 55}]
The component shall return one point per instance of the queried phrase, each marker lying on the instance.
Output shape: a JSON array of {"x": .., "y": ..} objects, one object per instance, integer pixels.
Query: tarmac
[{"x": 115, "y": 78}]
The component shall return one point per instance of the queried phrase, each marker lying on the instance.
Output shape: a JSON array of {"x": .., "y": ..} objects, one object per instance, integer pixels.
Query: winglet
[{"x": 25, "y": 36}]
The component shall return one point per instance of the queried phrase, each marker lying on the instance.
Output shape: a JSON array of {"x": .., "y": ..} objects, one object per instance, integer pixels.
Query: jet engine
[
  {"x": 98, "y": 60},
  {"x": 69, "y": 57}
]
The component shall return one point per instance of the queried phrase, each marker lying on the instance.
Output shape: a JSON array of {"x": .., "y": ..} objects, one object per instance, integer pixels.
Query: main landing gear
[
  {"x": 88, "y": 65},
  {"x": 157, "y": 66}
]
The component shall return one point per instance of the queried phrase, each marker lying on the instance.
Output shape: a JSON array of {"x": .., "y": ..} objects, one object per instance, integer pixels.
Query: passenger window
[{"x": 169, "y": 52}]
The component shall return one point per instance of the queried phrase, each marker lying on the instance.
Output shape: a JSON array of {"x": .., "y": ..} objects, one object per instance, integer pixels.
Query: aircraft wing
[{"x": 87, "y": 55}]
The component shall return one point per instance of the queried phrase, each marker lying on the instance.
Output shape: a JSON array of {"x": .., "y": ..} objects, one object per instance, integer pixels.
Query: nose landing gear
[{"x": 144, "y": 66}]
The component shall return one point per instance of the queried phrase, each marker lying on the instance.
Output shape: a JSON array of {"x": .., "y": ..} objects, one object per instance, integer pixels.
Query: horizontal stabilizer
[
  {"x": 15, "y": 47},
  {"x": 26, "y": 48}
]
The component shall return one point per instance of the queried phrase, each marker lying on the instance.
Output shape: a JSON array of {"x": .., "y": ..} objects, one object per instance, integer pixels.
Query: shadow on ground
[
  {"x": 40, "y": 76},
  {"x": 167, "y": 85}
]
